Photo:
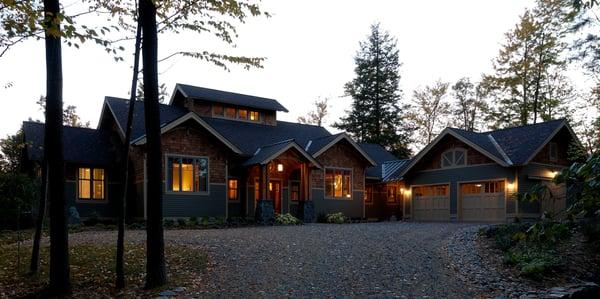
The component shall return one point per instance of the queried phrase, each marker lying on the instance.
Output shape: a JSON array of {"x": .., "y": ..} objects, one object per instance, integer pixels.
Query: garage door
[
  {"x": 431, "y": 203},
  {"x": 483, "y": 202}
]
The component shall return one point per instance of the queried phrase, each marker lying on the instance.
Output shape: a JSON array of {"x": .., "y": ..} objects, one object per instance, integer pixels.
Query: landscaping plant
[
  {"x": 337, "y": 218},
  {"x": 287, "y": 219}
]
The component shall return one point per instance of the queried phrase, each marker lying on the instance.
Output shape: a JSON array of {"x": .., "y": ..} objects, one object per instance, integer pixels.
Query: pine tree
[{"x": 376, "y": 115}]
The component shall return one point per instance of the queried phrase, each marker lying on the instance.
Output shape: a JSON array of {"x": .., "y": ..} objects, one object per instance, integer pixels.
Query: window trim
[
  {"x": 325, "y": 184},
  {"x": 453, "y": 151},
  {"x": 550, "y": 146},
  {"x": 91, "y": 199},
  {"x": 166, "y": 172}
]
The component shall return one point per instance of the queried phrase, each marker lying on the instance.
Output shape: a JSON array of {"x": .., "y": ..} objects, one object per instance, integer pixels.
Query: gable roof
[
  {"x": 266, "y": 153},
  {"x": 80, "y": 145},
  {"x": 380, "y": 156},
  {"x": 226, "y": 97},
  {"x": 320, "y": 145},
  {"x": 508, "y": 147}
]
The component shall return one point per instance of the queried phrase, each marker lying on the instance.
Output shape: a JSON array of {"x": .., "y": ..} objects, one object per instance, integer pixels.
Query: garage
[
  {"x": 431, "y": 203},
  {"x": 482, "y": 201}
]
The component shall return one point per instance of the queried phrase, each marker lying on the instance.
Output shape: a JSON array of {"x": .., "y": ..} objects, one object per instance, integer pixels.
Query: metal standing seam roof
[
  {"x": 380, "y": 156},
  {"x": 225, "y": 97}
]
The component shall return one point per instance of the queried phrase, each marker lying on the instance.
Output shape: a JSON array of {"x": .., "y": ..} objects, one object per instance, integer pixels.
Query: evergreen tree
[{"x": 376, "y": 115}]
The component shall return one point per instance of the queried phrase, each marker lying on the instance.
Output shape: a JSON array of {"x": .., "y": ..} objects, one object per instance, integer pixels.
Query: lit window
[
  {"x": 218, "y": 110},
  {"x": 553, "y": 149},
  {"x": 391, "y": 194},
  {"x": 369, "y": 194},
  {"x": 230, "y": 112},
  {"x": 243, "y": 114},
  {"x": 437, "y": 190},
  {"x": 454, "y": 157},
  {"x": 256, "y": 189},
  {"x": 482, "y": 187},
  {"x": 91, "y": 183},
  {"x": 232, "y": 192},
  {"x": 338, "y": 183},
  {"x": 187, "y": 174},
  {"x": 254, "y": 116},
  {"x": 295, "y": 190}
]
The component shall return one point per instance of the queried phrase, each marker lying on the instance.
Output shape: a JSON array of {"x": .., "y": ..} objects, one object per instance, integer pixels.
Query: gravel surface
[{"x": 381, "y": 260}]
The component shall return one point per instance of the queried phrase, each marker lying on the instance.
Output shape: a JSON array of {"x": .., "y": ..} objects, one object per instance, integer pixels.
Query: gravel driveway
[{"x": 392, "y": 259}]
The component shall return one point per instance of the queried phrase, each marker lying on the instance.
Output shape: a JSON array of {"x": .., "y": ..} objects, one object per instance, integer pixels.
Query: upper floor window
[
  {"x": 187, "y": 174},
  {"x": 218, "y": 110},
  {"x": 254, "y": 116},
  {"x": 553, "y": 151},
  {"x": 243, "y": 114},
  {"x": 235, "y": 113},
  {"x": 230, "y": 112},
  {"x": 91, "y": 183},
  {"x": 454, "y": 157},
  {"x": 338, "y": 183}
]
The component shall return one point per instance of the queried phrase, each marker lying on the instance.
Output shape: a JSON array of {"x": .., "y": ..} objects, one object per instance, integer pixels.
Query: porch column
[
  {"x": 264, "y": 213},
  {"x": 306, "y": 205}
]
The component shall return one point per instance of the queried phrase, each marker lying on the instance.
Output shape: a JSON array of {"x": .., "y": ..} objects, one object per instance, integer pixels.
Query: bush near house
[
  {"x": 337, "y": 218},
  {"x": 17, "y": 195},
  {"x": 287, "y": 219}
]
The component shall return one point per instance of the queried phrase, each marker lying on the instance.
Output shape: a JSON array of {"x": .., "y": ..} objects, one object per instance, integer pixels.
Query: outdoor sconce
[
  {"x": 510, "y": 186},
  {"x": 554, "y": 174},
  {"x": 279, "y": 167},
  {"x": 401, "y": 190}
]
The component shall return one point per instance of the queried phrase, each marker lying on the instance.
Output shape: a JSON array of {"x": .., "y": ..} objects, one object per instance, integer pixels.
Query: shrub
[
  {"x": 532, "y": 262},
  {"x": 181, "y": 222},
  {"x": 17, "y": 194},
  {"x": 193, "y": 221},
  {"x": 337, "y": 218},
  {"x": 287, "y": 219},
  {"x": 169, "y": 223},
  {"x": 591, "y": 230}
]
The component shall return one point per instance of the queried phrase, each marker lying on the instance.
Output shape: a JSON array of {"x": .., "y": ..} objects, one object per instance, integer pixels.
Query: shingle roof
[
  {"x": 249, "y": 136},
  {"x": 80, "y": 145},
  {"x": 226, "y": 97},
  {"x": 520, "y": 143},
  {"x": 121, "y": 106},
  {"x": 482, "y": 140},
  {"x": 380, "y": 155},
  {"x": 316, "y": 144}
]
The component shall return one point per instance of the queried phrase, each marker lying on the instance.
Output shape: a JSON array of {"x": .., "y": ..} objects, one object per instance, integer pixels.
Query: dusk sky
[{"x": 309, "y": 46}]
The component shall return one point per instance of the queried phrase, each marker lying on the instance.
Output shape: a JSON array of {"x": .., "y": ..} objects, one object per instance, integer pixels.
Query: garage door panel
[
  {"x": 431, "y": 203},
  {"x": 485, "y": 206}
]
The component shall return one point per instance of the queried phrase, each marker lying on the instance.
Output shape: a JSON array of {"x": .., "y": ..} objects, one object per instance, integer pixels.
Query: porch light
[
  {"x": 348, "y": 195},
  {"x": 401, "y": 190},
  {"x": 554, "y": 174},
  {"x": 279, "y": 167},
  {"x": 510, "y": 186},
  {"x": 478, "y": 185}
]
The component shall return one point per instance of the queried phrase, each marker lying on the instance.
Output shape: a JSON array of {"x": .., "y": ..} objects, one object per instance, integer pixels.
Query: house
[
  {"x": 469, "y": 176},
  {"x": 227, "y": 155},
  {"x": 224, "y": 155}
]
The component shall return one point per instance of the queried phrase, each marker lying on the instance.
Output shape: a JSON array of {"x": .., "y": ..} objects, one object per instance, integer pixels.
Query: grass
[{"x": 92, "y": 270}]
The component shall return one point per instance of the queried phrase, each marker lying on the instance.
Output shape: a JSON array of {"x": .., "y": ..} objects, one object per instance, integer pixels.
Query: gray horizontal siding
[{"x": 196, "y": 205}]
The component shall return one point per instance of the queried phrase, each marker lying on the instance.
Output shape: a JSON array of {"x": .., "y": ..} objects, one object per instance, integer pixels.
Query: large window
[
  {"x": 454, "y": 157},
  {"x": 338, "y": 183},
  {"x": 91, "y": 183},
  {"x": 232, "y": 190},
  {"x": 187, "y": 174}
]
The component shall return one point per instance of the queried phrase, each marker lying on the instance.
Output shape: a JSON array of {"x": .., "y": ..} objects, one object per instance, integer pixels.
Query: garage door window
[
  {"x": 482, "y": 187},
  {"x": 437, "y": 190}
]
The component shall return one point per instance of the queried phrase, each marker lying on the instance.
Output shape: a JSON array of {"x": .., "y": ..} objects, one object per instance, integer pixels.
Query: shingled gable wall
[{"x": 340, "y": 155}]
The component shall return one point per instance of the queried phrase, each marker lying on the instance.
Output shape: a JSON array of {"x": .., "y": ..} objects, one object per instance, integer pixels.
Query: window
[
  {"x": 187, "y": 174},
  {"x": 254, "y": 116},
  {"x": 218, "y": 110},
  {"x": 369, "y": 194},
  {"x": 553, "y": 149},
  {"x": 232, "y": 192},
  {"x": 294, "y": 190},
  {"x": 243, "y": 114},
  {"x": 338, "y": 183},
  {"x": 230, "y": 112},
  {"x": 437, "y": 190},
  {"x": 391, "y": 194},
  {"x": 256, "y": 189},
  {"x": 454, "y": 157},
  {"x": 482, "y": 187},
  {"x": 91, "y": 183}
]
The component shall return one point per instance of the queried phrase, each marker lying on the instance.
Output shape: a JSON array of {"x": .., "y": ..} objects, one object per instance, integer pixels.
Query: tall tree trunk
[
  {"x": 538, "y": 80},
  {"x": 120, "y": 271},
  {"x": 53, "y": 153},
  {"x": 39, "y": 224},
  {"x": 155, "y": 256}
]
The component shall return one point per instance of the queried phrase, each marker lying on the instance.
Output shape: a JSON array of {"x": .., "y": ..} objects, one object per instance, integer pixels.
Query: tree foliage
[
  {"x": 12, "y": 148},
  {"x": 470, "y": 107},
  {"x": 318, "y": 115},
  {"x": 376, "y": 115},
  {"x": 429, "y": 110},
  {"x": 70, "y": 116}
]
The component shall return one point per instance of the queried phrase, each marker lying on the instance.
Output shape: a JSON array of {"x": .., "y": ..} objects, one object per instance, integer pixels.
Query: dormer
[{"x": 227, "y": 105}]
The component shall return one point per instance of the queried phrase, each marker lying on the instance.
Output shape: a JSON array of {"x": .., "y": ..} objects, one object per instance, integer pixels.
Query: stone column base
[
  {"x": 306, "y": 211},
  {"x": 264, "y": 214}
]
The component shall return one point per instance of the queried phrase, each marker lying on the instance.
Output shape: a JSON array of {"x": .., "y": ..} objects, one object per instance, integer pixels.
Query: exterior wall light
[
  {"x": 279, "y": 167},
  {"x": 510, "y": 186}
]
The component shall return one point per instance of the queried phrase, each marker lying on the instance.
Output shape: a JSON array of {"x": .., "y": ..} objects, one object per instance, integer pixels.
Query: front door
[{"x": 275, "y": 195}]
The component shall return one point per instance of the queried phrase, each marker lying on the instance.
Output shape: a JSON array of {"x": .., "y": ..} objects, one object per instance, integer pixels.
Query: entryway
[{"x": 275, "y": 195}]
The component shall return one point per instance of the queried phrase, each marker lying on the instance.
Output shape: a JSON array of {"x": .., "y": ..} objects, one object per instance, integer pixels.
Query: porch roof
[{"x": 267, "y": 153}]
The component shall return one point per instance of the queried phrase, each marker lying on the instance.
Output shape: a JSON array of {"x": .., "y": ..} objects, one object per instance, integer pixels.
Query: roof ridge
[
  {"x": 326, "y": 136},
  {"x": 64, "y": 126},
  {"x": 278, "y": 142},
  {"x": 523, "y": 126},
  {"x": 219, "y": 90}
]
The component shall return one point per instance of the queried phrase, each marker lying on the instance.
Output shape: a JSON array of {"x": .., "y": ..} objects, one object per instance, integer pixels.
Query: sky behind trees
[{"x": 309, "y": 48}]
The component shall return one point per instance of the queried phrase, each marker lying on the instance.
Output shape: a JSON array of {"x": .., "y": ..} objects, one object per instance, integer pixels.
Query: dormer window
[
  {"x": 230, "y": 112},
  {"x": 243, "y": 114},
  {"x": 454, "y": 158},
  {"x": 254, "y": 116},
  {"x": 235, "y": 113},
  {"x": 218, "y": 110}
]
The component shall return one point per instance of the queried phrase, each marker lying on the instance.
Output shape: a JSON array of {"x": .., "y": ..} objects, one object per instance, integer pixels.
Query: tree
[
  {"x": 70, "y": 116},
  {"x": 12, "y": 148},
  {"x": 163, "y": 93},
  {"x": 317, "y": 116},
  {"x": 375, "y": 115},
  {"x": 470, "y": 105},
  {"x": 429, "y": 111}
]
